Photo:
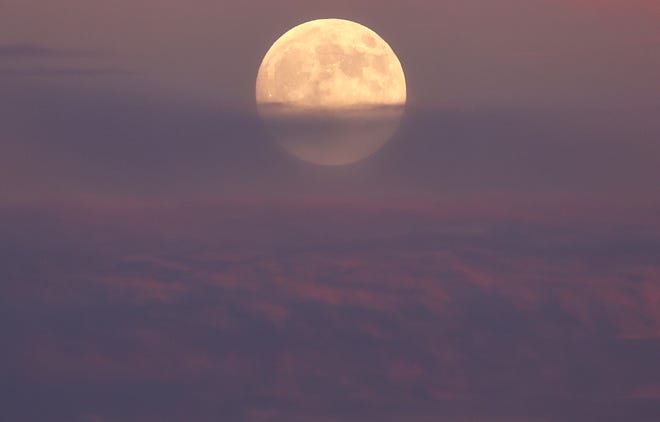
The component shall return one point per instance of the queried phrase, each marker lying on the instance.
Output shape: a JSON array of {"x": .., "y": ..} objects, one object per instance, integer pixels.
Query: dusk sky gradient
[{"x": 162, "y": 259}]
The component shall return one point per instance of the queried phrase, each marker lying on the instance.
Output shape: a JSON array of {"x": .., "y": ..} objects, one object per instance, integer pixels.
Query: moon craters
[
  {"x": 331, "y": 91},
  {"x": 330, "y": 63}
]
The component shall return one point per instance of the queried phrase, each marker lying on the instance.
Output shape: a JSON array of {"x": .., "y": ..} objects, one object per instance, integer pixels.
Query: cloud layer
[
  {"x": 162, "y": 259},
  {"x": 329, "y": 311}
]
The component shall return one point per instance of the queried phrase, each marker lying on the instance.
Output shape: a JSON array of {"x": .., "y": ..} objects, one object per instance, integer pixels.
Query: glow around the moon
[{"x": 332, "y": 91}]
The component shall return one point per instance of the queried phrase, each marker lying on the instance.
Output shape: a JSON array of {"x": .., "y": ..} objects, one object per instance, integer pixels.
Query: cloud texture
[{"x": 329, "y": 311}]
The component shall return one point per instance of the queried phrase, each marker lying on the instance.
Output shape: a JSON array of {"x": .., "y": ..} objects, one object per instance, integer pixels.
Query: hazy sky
[
  {"x": 470, "y": 53},
  {"x": 161, "y": 259}
]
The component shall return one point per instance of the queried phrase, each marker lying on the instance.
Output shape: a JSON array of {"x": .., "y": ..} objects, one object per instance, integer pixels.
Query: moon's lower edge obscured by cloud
[{"x": 331, "y": 91}]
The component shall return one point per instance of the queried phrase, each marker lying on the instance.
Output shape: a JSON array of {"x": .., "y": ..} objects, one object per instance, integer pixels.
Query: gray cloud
[{"x": 110, "y": 139}]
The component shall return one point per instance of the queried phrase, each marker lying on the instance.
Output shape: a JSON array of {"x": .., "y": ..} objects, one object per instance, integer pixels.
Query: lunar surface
[{"x": 331, "y": 91}]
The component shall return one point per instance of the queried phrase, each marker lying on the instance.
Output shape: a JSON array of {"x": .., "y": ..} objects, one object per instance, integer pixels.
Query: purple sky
[{"x": 161, "y": 259}]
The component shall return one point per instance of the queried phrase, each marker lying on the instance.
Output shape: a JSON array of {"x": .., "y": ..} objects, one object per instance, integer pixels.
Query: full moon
[{"x": 331, "y": 91}]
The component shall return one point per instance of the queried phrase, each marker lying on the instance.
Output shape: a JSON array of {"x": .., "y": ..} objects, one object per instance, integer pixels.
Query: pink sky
[{"x": 456, "y": 54}]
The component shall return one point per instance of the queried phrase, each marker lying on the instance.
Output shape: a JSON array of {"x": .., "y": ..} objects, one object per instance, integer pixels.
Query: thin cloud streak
[
  {"x": 26, "y": 50},
  {"x": 65, "y": 72}
]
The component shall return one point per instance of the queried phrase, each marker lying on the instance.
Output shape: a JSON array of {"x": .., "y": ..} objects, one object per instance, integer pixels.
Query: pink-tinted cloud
[{"x": 412, "y": 301}]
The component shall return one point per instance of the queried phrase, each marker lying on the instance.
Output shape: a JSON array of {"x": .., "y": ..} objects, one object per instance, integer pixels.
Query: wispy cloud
[
  {"x": 25, "y": 50},
  {"x": 65, "y": 71},
  {"x": 39, "y": 61}
]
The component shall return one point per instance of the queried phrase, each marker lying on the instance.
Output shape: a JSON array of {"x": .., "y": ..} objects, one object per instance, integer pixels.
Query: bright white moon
[{"x": 332, "y": 91}]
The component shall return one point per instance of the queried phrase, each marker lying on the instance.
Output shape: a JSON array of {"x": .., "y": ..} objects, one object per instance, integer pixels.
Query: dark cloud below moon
[
  {"x": 108, "y": 141},
  {"x": 332, "y": 136}
]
